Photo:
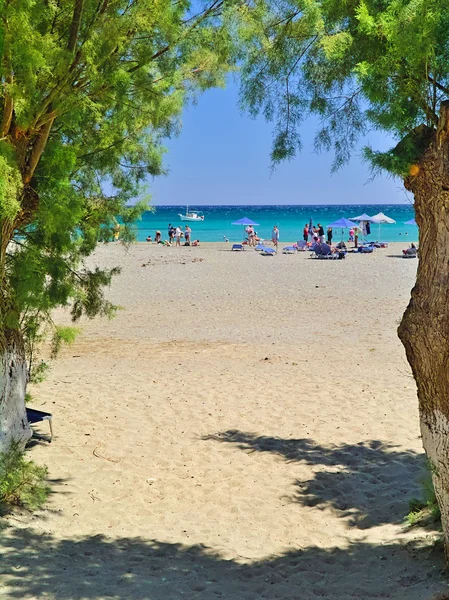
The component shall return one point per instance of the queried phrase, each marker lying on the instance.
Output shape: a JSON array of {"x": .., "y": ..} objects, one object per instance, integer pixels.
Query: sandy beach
[{"x": 245, "y": 428}]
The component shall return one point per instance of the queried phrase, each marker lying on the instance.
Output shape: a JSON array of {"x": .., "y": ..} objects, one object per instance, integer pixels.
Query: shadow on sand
[
  {"x": 88, "y": 568},
  {"x": 369, "y": 483}
]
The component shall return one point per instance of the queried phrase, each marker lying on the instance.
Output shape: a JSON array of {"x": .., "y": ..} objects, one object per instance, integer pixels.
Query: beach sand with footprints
[{"x": 246, "y": 428}]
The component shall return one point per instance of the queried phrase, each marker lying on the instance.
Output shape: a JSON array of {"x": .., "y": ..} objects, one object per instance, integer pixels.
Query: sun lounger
[
  {"x": 289, "y": 250},
  {"x": 324, "y": 251},
  {"x": 268, "y": 251},
  {"x": 259, "y": 247},
  {"x": 301, "y": 245},
  {"x": 237, "y": 247},
  {"x": 410, "y": 253},
  {"x": 365, "y": 249},
  {"x": 37, "y": 416}
]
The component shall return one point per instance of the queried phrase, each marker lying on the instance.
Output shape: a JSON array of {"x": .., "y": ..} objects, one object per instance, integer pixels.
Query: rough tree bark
[
  {"x": 13, "y": 379},
  {"x": 424, "y": 330}
]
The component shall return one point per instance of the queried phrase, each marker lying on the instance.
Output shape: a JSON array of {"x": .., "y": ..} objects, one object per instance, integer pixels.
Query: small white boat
[{"x": 192, "y": 215}]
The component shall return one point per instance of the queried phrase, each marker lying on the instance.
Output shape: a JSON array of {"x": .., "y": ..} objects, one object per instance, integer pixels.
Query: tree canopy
[
  {"x": 88, "y": 91},
  {"x": 356, "y": 65}
]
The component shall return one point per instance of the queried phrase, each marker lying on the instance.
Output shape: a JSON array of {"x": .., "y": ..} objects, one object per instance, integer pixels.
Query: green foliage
[
  {"x": 425, "y": 511},
  {"x": 84, "y": 109},
  {"x": 38, "y": 371},
  {"x": 354, "y": 65},
  {"x": 22, "y": 482},
  {"x": 63, "y": 335}
]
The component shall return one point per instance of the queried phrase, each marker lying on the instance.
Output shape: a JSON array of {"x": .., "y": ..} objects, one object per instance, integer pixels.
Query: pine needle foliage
[
  {"x": 22, "y": 482},
  {"x": 355, "y": 66},
  {"x": 89, "y": 89}
]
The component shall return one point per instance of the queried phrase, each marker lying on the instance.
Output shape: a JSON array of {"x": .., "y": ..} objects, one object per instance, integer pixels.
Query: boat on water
[{"x": 192, "y": 215}]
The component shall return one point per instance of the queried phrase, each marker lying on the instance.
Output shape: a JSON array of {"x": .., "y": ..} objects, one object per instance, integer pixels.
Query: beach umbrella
[
  {"x": 411, "y": 222},
  {"x": 244, "y": 221},
  {"x": 342, "y": 224},
  {"x": 381, "y": 218},
  {"x": 363, "y": 219}
]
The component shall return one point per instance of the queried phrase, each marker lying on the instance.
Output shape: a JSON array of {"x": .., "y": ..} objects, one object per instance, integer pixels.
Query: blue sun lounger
[
  {"x": 268, "y": 251},
  {"x": 289, "y": 250},
  {"x": 237, "y": 247},
  {"x": 37, "y": 416},
  {"x": 324, "y": 251}
]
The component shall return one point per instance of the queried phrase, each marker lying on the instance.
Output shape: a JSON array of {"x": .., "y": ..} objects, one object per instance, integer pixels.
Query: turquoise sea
[{"x": 290, "y": 220}]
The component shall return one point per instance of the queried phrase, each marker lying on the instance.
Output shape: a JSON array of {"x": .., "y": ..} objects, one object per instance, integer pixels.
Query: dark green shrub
[
  {"x": 426, "y": 511},
  {"x": 22, "y": 482}
]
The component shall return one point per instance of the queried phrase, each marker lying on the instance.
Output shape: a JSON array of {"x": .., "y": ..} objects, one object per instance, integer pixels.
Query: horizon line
[{"x": 271, "y": 205}]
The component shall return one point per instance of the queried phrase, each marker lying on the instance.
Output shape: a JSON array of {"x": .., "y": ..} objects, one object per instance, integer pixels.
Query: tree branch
[
  {"x": 38, "y": 148},
  {"x": 441, "y": 87},
  {"x": 75, "y": 26}
]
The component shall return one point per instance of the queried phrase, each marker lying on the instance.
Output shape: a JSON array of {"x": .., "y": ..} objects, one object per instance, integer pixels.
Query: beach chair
[
  {"x": 410, "y": 253},
  {"x": 268, "y": 251},
  {"x": 289, "y": 250},
  {"x": 259, "y": 247},
  {"x": 237, "y": 248},
  {"x": 324, "y": 251},
  {"x": 37, "y": 416},
  {"x": 301, "y": 245}
]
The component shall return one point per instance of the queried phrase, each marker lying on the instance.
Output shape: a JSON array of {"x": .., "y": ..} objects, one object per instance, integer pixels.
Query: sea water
[{"x": 217, "y": 224}]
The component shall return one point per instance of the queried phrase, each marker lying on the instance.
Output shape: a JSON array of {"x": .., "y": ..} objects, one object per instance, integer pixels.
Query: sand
[{"x": 245, "y": 428}]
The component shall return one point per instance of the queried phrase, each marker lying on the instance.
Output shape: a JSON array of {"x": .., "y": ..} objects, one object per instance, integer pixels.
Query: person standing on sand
[
  {"x": 321, "y": 233},
  {"x": 178, "y": 234},
  {"x": 275, "y": 236},
  {"x": 187, "y": 233},
  {"x": 305, "y": 233},
  {"x": 329, "y": 235}
]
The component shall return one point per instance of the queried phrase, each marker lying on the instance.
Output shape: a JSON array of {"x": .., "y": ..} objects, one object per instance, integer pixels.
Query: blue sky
[{"x": 223, "y": 157}]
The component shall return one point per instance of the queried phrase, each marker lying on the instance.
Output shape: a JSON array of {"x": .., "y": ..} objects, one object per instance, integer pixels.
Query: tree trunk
[
  {"x": 424, "y": 329},
  {"x": 13, "y": 379}
]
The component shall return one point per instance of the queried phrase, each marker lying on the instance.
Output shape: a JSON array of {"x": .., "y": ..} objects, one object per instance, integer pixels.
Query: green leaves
[
  {"x": 355, "y": 64},
  {"x": 84, "y": 109}
]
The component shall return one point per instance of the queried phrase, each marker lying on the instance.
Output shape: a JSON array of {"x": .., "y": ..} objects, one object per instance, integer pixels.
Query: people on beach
[
  {"x": 187, "y": 233},
  {"x": 305, "y": 233},
  {"x": 149, "y": 239},
  {"x": 196, "y": 243},
  {"x": 157, "y": 237},
  {"x": 251, "y": 235},
  {"x": 351, "y": 235},
  {"x": 411, "y": 252},
  {"x": 178, "y": 234},
  {"x": 329, "y": 235},
  {"x": 320, "y": 232},
  {"x": 275, "y": 236}
]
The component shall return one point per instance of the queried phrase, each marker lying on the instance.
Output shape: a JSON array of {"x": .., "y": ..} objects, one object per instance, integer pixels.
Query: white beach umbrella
[{"x": 381, "y": 218}]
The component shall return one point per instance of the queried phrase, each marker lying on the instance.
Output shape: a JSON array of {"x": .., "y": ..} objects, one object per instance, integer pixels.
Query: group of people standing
[
  {"x": 254, "y": 239},
  {"x": 175, "y": 234},
  {"x": 311, "y": 233}
]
